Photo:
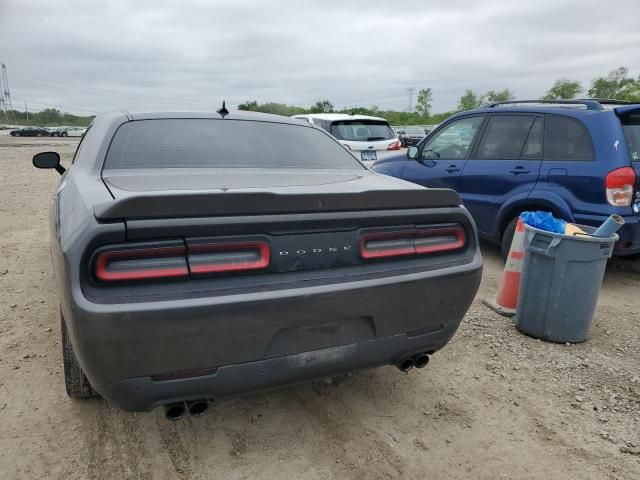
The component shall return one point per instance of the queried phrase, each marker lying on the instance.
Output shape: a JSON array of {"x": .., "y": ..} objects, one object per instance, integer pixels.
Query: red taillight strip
[
  {"x": 263, "y": 261},
  {"x": 458, "y": 232},
  {"x": 392, "y": 252},
  {"x": 414, "y": 248},
  {"x": 105, "y": 275}
]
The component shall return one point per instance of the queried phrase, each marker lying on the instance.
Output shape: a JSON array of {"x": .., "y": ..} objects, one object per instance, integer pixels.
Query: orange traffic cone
[{"x": 507, "y": 299}]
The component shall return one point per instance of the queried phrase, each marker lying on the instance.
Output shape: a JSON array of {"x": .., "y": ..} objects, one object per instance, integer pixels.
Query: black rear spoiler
[{"x": 258, "y": 203}]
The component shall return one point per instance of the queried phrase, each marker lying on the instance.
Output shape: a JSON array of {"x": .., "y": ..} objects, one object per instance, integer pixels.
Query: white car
[
  {"x": 368, "y": 138},
  {"x": 73, "y": 132}
]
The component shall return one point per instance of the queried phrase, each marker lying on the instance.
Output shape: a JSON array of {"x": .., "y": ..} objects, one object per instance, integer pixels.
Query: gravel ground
[{"x": 493, "y": 404}]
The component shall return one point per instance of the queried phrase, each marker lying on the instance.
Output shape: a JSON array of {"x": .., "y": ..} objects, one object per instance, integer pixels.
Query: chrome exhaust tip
[
  {"x": 174, "y": 411},
  {"x": 421, "y": 360},
  {"x": 405, "y": 365},
  {"x": 198, "y": 408}
]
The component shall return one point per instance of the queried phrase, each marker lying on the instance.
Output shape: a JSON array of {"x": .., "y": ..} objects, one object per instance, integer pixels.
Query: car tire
[
  {"x": 39, "y": 134},
  {"x": 16, "y": 135},
  {"x": 75, "y": 381},
  {"x": 507, "y": 238},
  {"x": 64, "y": 134}
]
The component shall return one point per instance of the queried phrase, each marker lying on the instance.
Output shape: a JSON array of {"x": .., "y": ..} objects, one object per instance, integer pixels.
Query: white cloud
[{"x": 190, "y": 55}]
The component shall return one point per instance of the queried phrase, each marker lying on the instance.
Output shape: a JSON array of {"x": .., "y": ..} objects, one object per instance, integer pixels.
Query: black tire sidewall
[{"x": 507, "y": 238}]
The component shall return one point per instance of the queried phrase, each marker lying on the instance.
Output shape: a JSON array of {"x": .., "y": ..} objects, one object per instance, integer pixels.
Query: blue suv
[{"x": 579, "y": 159}]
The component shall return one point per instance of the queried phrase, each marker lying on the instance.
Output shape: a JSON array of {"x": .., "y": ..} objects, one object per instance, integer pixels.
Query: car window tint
[
  {"x": 566, "y": 139},
  {"x": 362, "y": 130},
  {"x": 504, "y": 137},
  {"x": 453, "y": 141},
  {"x": 193, "y": 143},
  {"x": 533, "y": 147}
]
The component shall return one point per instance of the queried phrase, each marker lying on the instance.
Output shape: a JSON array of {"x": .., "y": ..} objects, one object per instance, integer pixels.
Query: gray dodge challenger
[{"x": 205, "y": 255}]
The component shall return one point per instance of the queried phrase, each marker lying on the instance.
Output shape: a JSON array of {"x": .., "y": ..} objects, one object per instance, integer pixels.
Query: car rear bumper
[
  {"x": 145, "y": 393},
  {"x": 629, "y": 233},
  {"x": 142, "y": 355}
]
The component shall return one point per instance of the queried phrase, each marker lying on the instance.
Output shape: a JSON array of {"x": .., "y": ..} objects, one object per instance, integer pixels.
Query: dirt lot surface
[{"x": 493, "y": 404}]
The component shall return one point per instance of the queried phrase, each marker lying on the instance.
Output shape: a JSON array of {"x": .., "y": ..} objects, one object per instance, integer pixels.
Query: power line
[{"x": 55, "y": 106}]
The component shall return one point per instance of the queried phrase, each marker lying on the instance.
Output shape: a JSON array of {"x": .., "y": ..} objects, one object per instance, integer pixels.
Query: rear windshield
[
  {"x": 631, "y": 127},
  {"x": 362, "y": 130},
  {"x": 201, "y": 143}
]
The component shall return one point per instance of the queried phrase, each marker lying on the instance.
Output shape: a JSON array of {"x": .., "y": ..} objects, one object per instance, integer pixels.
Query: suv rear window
[
  {"x": 631, "y": 127},
  {"x": 200, "y": 143},
  {"x": 362, "y": 130},
  {"x": 566, "y": 139}
]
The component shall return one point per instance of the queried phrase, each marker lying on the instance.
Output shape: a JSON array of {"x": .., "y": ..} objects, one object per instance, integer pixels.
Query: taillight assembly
[
  {"x": 171, "y": 260},
  {"x": 619, "y": 184},
  {"x": 395, "y": 145},
  {"x": 228, "y": 257},
  {"x": 416, "y": 241},
  {"x": 143, "y": 263}
]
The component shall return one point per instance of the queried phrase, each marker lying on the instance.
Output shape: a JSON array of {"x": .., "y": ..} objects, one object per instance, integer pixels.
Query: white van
[{"x": 368, "y": 138}]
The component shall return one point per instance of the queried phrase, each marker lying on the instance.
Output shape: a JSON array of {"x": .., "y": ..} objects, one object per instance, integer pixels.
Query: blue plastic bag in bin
[{"x": 544, "y": 221}]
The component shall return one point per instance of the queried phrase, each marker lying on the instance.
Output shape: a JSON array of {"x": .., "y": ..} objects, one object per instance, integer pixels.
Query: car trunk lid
[{"x": 175, "y": 193}]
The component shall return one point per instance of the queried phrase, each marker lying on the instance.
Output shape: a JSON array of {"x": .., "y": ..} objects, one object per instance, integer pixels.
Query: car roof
[
  {"x": 231, "y": 115},
  {"x": 338, "y": 116},
  {"x": 573, "y": 108}
]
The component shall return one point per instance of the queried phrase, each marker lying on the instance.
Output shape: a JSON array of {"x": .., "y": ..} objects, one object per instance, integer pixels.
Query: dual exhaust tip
[
  {"x": 195, "y": 408},
  {"x": 420, "y": 360}
]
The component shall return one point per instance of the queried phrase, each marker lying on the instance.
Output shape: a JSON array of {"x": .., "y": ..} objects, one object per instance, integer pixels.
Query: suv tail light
[
  {"x": 395, "y": 145},
  {"x": 228, "y": 257},
  {"x": 619, "y": 184},
  {"x": 141, "y": 264},
  {"x": 420, "y": 241}
]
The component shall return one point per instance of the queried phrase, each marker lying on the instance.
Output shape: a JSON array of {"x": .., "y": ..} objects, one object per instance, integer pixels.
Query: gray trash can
[{"x": 561, "y": 280}]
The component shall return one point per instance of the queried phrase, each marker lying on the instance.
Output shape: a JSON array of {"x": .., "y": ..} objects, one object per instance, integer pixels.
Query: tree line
[
  {"x": 49, "y": 117},
  {"x": 617, "y": 85}
]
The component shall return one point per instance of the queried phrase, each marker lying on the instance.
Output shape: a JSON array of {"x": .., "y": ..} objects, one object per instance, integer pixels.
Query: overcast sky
[{"x": 85, "y": 56}]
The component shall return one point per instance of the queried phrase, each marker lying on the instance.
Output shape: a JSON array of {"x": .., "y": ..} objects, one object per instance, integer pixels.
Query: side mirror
[
  {"x": 412, "y": 152},
  {"x": 48, "y": 160}
]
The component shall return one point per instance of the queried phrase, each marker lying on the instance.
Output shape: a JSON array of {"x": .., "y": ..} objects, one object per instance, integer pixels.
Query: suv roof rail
[
  {"x": 590, "y": 103},
  {"x": 609, "y": 101}
]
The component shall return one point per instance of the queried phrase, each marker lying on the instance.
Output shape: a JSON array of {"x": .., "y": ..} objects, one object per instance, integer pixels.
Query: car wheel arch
[{"x": 558, "y": 207}]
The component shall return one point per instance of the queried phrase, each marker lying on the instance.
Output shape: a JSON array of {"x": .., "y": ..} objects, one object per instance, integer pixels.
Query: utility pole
[
  {"x": 25, "y": 110},
  {"x": 410, "y": 90}
]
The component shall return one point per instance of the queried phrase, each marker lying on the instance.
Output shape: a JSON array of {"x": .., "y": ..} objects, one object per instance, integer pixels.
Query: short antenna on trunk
[{"x": 223, "y": 111}]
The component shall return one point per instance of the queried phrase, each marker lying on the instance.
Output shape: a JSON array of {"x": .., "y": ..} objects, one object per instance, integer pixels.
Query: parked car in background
[
  {"x": 30, "y": 132},
  {"x": 73, "y": 132},
  {"x": 193, "y": 264},
  {"x": 55, "y": 131},
  {"x": 411, "y": 136},
  {"x": 578, "y": 159},
  {"x": 368, "y": 138}
]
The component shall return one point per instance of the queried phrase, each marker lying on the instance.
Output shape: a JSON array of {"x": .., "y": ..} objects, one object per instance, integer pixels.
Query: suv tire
[
  {"x": 507, "y": 238},
  {"x": 75, "y": 381}
]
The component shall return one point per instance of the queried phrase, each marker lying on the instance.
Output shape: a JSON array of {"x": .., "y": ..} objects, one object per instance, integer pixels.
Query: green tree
[
  {"x": 499, "y": 95},
  {"x": 469, "y": 100},
  {"x": 322, "y": 106},
  {"x": 616, "y": 85},
  {"x": 249, "y": 105},
  {"x": 563, "y": 88},
  {"x": 423, "y": 105}
]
